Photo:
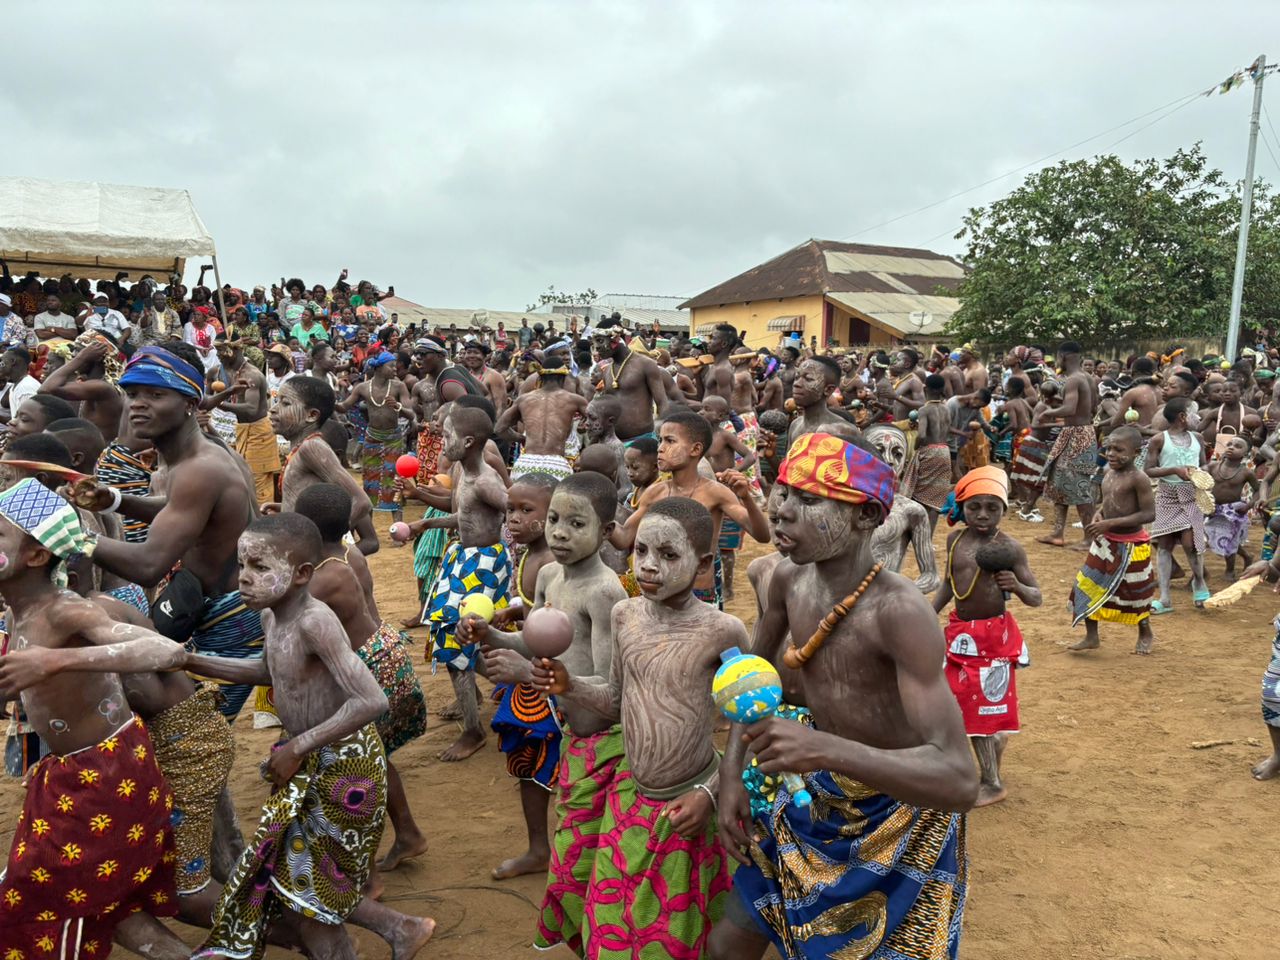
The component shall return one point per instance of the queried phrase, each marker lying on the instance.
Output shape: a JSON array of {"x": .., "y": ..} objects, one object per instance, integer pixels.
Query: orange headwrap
[
  {"x": 983, "y": 481},
  {"x": 821, "y": 464}
]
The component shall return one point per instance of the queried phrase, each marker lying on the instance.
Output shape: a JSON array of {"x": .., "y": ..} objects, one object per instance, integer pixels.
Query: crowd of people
[{"x": 180, "y": 532}]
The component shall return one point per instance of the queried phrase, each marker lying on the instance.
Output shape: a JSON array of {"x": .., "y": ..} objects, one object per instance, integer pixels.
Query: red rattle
[{"x": 407, "y": 466}]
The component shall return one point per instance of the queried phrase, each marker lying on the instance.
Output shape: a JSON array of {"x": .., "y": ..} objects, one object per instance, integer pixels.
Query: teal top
[{"x": 1176, "y": 455}]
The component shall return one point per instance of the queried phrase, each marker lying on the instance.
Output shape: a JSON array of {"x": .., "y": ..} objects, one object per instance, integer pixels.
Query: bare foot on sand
[
  {"x": 454, "y": 712},
  {"x": 410, "y": 623},
  {"x": 410, "y": 937},
  {"x": 988, "y": 794},
  {"x": 403, "y": 850},
  {"x": 1088, "y": 643},
  {"x": 1049, "y": 540},
  {"x": 1144, "y": 645},
  {"x": 463, "y": 747},
  {"x": 1268, "y": 769},
  {"x": 1082, "y": 545},
  {"x": 520, "y": 866},
  {"x": 374, "y": 886}
]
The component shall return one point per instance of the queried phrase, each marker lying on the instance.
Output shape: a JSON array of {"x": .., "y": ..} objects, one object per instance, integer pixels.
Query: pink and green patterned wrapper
[
  {"x": 588, "y": 766},
  {"x": 653, "y": 893}
]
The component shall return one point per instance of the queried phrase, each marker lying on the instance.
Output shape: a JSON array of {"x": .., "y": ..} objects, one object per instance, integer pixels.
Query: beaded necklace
[{"x": 794, "y": 657}]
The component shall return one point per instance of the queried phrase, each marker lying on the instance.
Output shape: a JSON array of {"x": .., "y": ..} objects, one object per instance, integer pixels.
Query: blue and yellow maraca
[{"x": 746, "y": 689}]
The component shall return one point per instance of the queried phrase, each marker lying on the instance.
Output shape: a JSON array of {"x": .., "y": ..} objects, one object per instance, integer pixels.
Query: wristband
[
  {"x": 115, "y": 501},
  {"x": 707, "y": 790}
]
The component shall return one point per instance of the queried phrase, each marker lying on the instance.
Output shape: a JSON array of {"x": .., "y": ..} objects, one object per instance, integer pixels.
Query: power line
[
  {"x": 1177, "y": 104},
  {"x": 1266, "y": 142}
]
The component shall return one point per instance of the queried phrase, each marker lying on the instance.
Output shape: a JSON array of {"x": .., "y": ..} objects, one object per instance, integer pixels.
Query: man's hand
[
  {"x": 87, "y": 494},
  {"x": 506, "y": 666},
  {"x": 735, "y": 819},
  {"x": 92, "y": 353},
  {"x": 23, "y": 669},
  {"x": 283, "y": 764},
  {"x": 688, "y": 813},
  {"x": 551, "y": 677},
  {"x": 786, "y": 746},
  {"x": 472, "y": 629}
]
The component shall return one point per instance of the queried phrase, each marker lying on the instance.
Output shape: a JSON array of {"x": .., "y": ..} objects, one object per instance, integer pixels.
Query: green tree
[
  {"x": 552, "y": 295},
  {"x": 1109, "y": 253}
]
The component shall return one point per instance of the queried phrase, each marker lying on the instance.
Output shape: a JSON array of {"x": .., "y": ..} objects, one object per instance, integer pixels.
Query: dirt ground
[{"x": 1118, "y": 840}]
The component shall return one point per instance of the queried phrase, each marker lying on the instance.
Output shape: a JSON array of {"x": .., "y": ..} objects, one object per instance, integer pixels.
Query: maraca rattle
[
  {"x": 547, "y": 632},
  {"x": 217, "y": 386},
  {"x": 746, "y": 689},
  {"x": 407, "y": 466},
  {"x": 400, "y": 532},
  {"x": 995, "y": 556},
  {"x": 476, "y": 605}
]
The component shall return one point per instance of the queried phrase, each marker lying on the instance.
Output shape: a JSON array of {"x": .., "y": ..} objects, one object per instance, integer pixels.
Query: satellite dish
[{"x": 920, "y": 319}]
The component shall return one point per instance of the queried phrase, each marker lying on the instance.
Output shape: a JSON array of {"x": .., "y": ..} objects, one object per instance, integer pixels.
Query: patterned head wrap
[
  {"x": 829, "y": 467},
  {"x": 47, "y": 518},
  {"x": 378, "y": 359},
  {"x": 427, "y": 345},
  {"x": 983, "y": 481},
  {"x": 157, "y": 367},
  {"x": 112, "y": 364},
  {"x": 1027, "y": 356}
]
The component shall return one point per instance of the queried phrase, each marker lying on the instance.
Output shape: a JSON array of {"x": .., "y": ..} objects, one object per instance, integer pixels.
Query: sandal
[
  {"x": 1158, "y": 608},
  {"x": 1200, "y": 596}
]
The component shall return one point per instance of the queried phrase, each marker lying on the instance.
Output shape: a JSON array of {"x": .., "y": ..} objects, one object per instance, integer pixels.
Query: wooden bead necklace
[{"x": 794, "y": 657}]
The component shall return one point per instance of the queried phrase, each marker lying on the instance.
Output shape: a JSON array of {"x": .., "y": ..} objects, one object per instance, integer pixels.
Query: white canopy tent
[{"x": 96, "y": 230}]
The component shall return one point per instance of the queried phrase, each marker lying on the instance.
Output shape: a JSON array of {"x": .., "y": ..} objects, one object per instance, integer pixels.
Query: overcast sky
[{"x": 473, "y": 153}]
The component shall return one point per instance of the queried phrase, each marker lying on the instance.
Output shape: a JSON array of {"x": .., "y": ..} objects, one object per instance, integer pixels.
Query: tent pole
[{"x": 217, "y": 279}]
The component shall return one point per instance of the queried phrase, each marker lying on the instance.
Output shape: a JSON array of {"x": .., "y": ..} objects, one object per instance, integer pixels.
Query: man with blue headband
[
  {"x": 195, "y": 521},
  {"x": 385, "y": 400}
]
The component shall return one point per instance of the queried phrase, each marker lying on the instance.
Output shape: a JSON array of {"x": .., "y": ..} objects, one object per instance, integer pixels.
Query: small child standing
[
  {"x": 726, "y": 453},
  {"x": 660, "y": 875},
  {"x": 984, "y": 644},
  {"x": 1228, "y": 529},
  {"x": 1117, "y": 581}
]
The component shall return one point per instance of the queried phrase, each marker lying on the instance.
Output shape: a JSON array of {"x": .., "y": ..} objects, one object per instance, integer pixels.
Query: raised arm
[
  {"x": 741, "y": 507},
  {"x": 117, "y": 648},
  {"x": 320, "y": 459},
  {"x": 63, "y": 383}
]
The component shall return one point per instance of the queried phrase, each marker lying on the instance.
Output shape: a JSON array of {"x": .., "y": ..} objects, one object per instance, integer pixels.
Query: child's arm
[
  {"x": 320, "y": 460},
  {"x": 250, "y": 671},
  {"x": 1020, "y": 581},
  {"x": 741, "y": 507},
  {"x": 449, "y": 522},
  {"x": 363, "y": 699},
  {"x": 737, "y": 446},
  {"x": 945, "y": 595},
  {"x": 597, "y": 694},
  {"x": 117, "y": 648}
]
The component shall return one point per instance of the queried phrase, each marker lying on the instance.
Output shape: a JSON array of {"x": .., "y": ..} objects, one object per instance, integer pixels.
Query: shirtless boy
[
  {"x": 84, "y": 378},
  {"x": 1117, "y": 581},
  {"x": 928, "y": 477},
  {"x": 1228, "y": 529},
  {"x": 876, "y": 688},
  {"x": 379, "y": 647},
  {"x": 477, "y": 562},
  {"x": 723, "y": 455},
  {"x": 1073, "y": 458},
  {"x": 102, "y": 769},
  {"x": 666, "y": 649},
  {"x": 816, "y": 379},
  {"x": 984, "y": 644},
  {"x": 682, "y": 440},
  {"x": 386, "y": 401},
  {"x": 246, "y": 397},
  {"x": 331, "y": 771},
  {"x": 579, "y": 584},
  {"x": 545, "y": 417},
  {"x": 302, "y": 407}
]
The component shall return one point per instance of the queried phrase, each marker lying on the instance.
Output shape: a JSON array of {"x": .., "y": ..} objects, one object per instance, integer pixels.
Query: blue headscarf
[
  {"x": 378, "y": 359},
  {"x": 157, "y": 367}
]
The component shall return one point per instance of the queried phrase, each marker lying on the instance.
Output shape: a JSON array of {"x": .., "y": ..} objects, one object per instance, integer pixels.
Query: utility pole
[{"x": 1246, "y": 207}]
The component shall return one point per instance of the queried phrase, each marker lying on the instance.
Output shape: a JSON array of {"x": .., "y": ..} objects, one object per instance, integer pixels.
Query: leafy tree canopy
[{"x": 1106, "y": 252}]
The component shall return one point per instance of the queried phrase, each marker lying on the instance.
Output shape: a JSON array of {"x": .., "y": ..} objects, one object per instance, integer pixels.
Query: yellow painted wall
[{"x": 754, "y": 318}]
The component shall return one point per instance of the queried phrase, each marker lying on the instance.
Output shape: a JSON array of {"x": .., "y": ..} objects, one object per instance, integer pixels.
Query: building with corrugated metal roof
[{"x": 835, "y": 293}]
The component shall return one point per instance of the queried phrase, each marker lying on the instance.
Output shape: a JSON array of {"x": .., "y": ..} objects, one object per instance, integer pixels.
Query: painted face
[
  {"x": 596, "y": 421},
  {"x": 527, "y": 512},
  {"x": 890, "y": 444},
  {"x": 574, "y": 531},
  {"x": 810, "y": 384},
  {"x": 812, "y": 528},
  {"x": 666, "y": 564},
  {"x": 1120, "y": 453},
  {"x": 675, "y": 449},
  {"x": 1237, "y": 448},
  {"x": 266, "y": 572},
  {"x": 983, "y": 513},
  {"x": 154, "y": 412},
  {"x": 642, "y": 468},
  {"x": 455, "y": 445},
  {"x": 288, "y": 414}
]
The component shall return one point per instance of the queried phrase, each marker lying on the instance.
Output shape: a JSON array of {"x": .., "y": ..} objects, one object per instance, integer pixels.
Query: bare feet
[
  {"x": 1177, "y": 573},
  {"x": 454, "y": 712},
  {"x": 530, "y": 862},
  {"x": 374, "y": 886},
  {"x": 1082, "y": 545},
  {"x": 1088, "y": 643},
  {"x": 1144, "y": 645},
  {"x": 1050, "y": 540},
  {"x": 1268, "y": 769},
  {"x": 403, "y": 850},
  {"x": 410, "y": 623},
  {"x": 989, "y": 794},
  {"x": 410, "y": 937},
  {"x": 464, "y": 746}
]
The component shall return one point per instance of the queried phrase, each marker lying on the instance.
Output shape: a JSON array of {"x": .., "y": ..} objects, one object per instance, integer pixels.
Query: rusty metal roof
[{"x": 828, "y": 266}]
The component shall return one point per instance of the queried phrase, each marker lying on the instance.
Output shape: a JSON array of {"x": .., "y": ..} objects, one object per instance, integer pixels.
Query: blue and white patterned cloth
[{"x": 465, "y": 571}]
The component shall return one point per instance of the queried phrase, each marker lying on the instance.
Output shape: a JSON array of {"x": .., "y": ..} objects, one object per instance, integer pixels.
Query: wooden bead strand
[{"x": 794, "y": 657}]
